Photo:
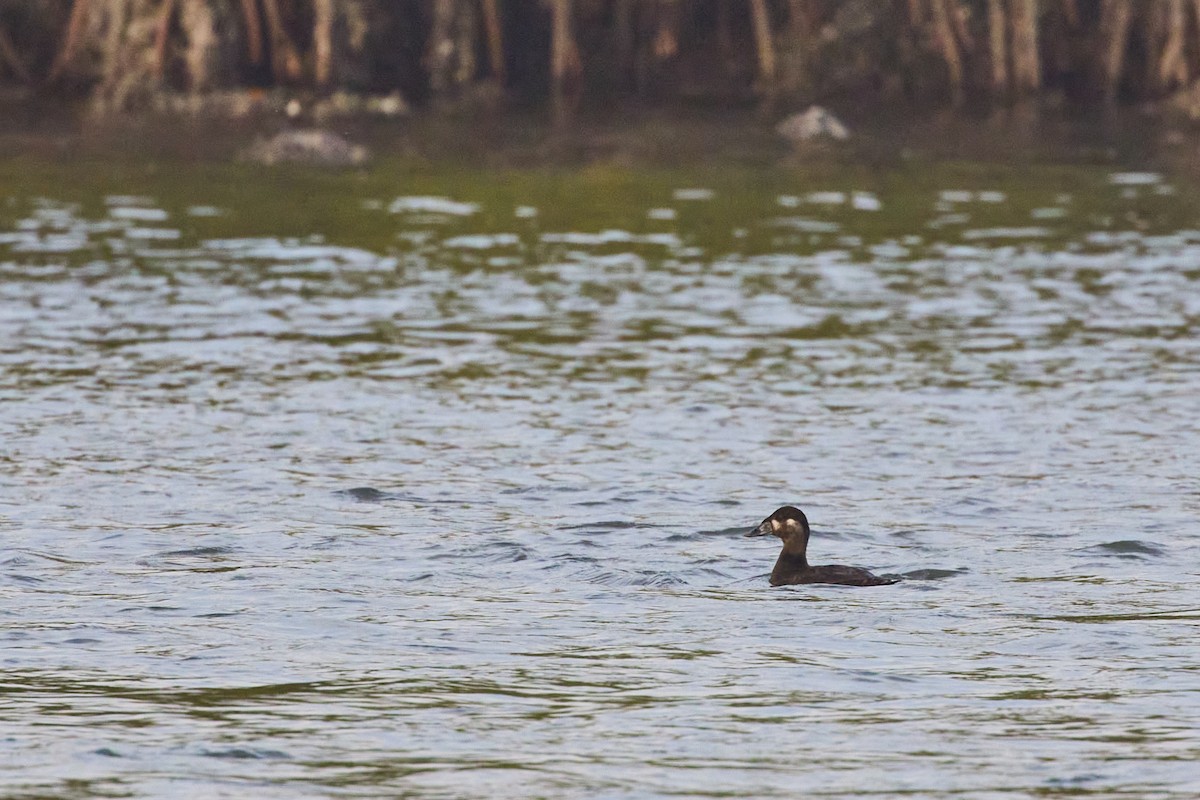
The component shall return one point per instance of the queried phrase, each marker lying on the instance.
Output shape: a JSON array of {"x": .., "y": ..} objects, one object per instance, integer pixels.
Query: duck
[{"x": 792, "y": 567}]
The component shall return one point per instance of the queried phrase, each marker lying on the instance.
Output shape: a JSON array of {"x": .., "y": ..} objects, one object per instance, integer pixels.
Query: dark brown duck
[{"x": 790, "y": 525}]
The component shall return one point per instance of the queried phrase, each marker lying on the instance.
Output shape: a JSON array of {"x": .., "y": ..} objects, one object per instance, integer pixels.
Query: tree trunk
[
  {"x": 285, "y": 58},
  {"x": 799, "y": 18},
  {"x": 71, "y": 40},
  {"x": 998, "y": 47},
  {"x": 1172, "y": 65},
  {"x": 161, "y": 32},
  {"x": 1114, "y": 29},
  {"x": 1070, "y": 9},
  {"x": 725, "y": 45},
  {"x": 962, "y": 28},
  {"x": 440, "y": 54},
  {"x": 1027, "y": 68},
  {"x": 254, "y": 32},
  {"x": 323, "y": 17},
  {"x": 795, "y": 50},
  {"x": 949, "y": 46},
  {"x": 564, "y": 61},
  {"x": 765, "y": 45},
  {"x": 450, "y": 54},
  {"x": 211, "y": 43},
  {"x": 625, "y": 38},
  {"x": 916, "y": 13},
  {"x": 12, "y": 59},
  {"x": 122, "y": 44},
  {"x": 495, "y": 38},
  {"x": 666, "y": 34}
]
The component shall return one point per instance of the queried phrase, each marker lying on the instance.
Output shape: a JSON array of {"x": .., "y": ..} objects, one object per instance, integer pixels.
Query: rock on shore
[{"x": 312, "y": 146}]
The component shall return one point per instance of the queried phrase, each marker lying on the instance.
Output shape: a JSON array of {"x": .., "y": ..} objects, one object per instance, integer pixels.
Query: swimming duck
[{"x": 790, "y": 525}]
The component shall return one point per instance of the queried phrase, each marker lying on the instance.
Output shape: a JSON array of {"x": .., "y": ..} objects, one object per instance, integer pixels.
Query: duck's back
[{"x": 831, "y": 573}]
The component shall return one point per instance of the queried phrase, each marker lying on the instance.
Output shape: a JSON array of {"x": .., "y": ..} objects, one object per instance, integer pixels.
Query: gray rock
[
  {"x": 308, "y": 147},
  {"x": 812, "y": 124}
]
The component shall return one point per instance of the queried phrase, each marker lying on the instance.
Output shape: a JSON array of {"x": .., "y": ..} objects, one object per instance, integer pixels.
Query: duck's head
[{"x": 788, "y": 523}]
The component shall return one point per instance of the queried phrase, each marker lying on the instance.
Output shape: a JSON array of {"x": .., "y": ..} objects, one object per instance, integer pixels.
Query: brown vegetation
[{"x": 564, "y": 52}]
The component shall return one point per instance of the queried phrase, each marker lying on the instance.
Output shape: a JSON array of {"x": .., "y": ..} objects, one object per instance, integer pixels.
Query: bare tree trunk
[
  {"x": 645, "y": 13},
  {"x": 949, "y": 47},
  {"x": 115, "y": 72},
  {"x": 962, "y": 28},
  {"x": 254, "y": 32},
  {"x": 666, "y": 33},
  {"x": 725, "y": 45},
  {"x": 1114, "y": 18},
  {"x": 764, "y": 43},
  {"x": 10, "y": 57},
  {"x": 285, "y": 58},
  {"x": 66, "y": 53},
  {"x": 796, "y": 43},
  {"x": 798, "y": 18},
  {"x": 998, "y": 47},
  {"x": 1196, "y": 14},
  {"x": 1070, "y": 10},
  {"x": 323, "y": 18},
  {"x": 564, "y": 60},
  {"x": 914, "y": 42},
  {"x": 211, "y": 47},
  {"x": 1027, "y": 67},
  {"x": 440, "y": 52},
  {"x": 161, "y": 32},
  {"x": 495, "y": 38},
  {"x": 466, "y": 34},
  {"x": 1172, "y": 65},
  {"x": 625, "y": 25},
  {"x": 1153, "y": 23},
  {"x": 121, "y": 37}
]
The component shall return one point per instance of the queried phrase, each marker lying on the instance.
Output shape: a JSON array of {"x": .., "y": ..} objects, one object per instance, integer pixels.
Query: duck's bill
[{"x": 763, "y": 529}]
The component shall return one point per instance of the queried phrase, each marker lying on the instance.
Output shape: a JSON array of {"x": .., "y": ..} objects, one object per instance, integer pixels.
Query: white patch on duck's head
[
  {"x": 789, "y": 527},
  {"x": 789, "y": 521}
]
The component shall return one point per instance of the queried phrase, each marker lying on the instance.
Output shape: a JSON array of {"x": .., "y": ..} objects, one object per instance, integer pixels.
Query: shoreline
[{"x": 628, "y": 135}]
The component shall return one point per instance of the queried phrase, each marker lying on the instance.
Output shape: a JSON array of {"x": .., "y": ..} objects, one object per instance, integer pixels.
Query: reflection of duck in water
[{"x": 790, "y": 525}]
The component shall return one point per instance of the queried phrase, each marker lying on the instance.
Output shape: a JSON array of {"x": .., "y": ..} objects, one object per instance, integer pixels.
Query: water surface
[{"x": 432, "y": 483}]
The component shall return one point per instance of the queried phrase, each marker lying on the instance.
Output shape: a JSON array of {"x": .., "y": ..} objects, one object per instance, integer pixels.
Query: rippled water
[{"x": 432, "y": 484}]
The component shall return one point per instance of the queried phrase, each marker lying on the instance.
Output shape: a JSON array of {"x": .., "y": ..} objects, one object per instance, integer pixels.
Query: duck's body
[{"x": 792, "y": 567}]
